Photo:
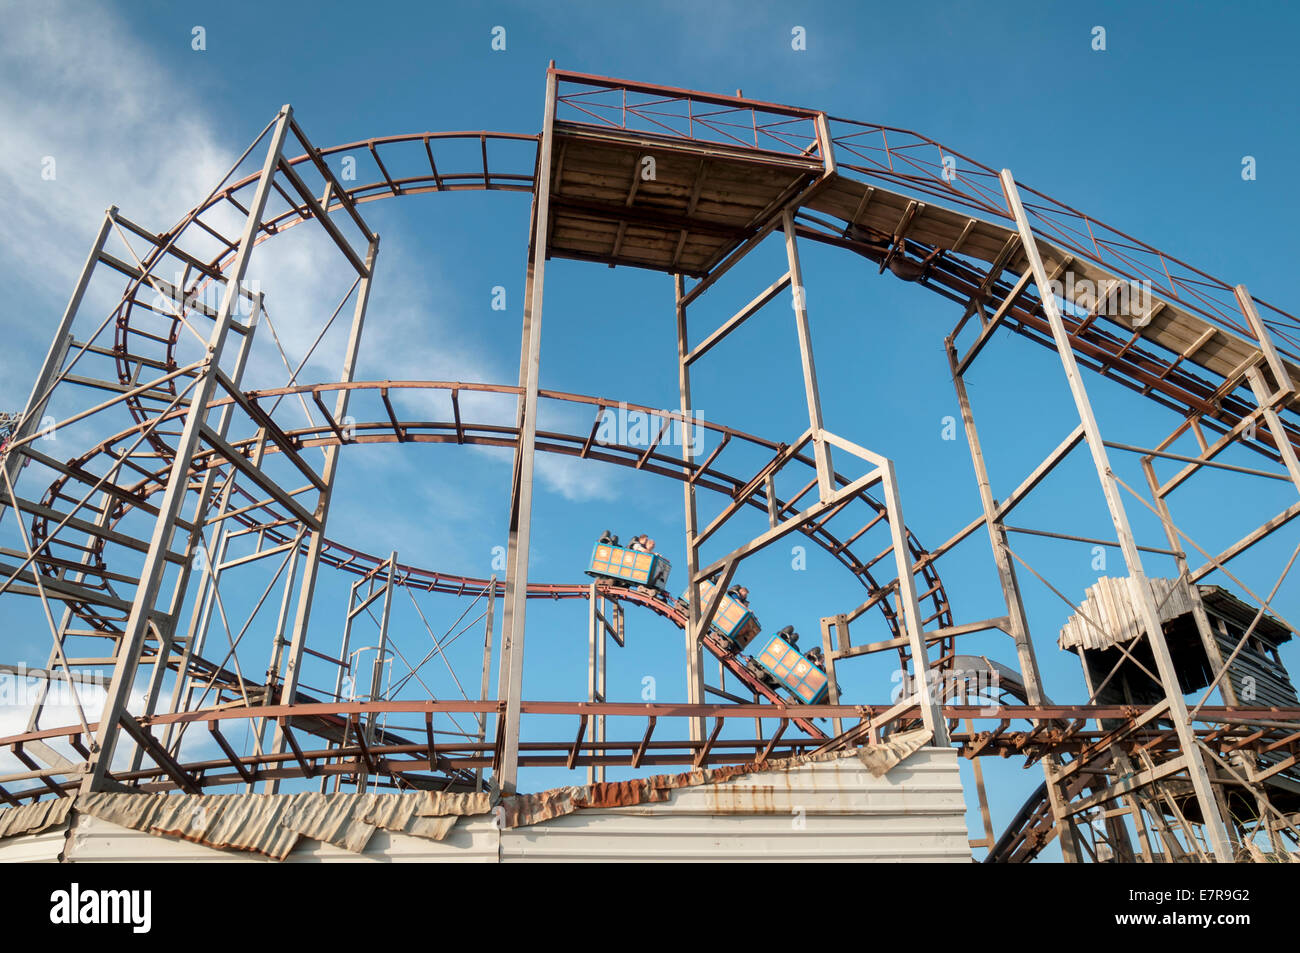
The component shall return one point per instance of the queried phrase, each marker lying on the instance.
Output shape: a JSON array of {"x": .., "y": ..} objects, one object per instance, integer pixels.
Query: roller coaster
[{"x": 178, "y": 465}]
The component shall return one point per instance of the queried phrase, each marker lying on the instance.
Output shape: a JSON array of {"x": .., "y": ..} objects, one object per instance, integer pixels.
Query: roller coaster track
[
  {"x": 904, "y": 202},
  {"x": 458, "y": 431},
  {"x": 716, "y": 645},
  {"x": 1051, "y": 728},
  {"x": 913, "y": 161}
]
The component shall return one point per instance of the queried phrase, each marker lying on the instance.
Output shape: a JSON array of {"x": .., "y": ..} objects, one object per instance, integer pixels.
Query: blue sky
[{"x": 1148, "y": 136}]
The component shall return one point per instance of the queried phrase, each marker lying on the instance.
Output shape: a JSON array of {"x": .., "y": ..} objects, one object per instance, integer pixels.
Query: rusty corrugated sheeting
[
  {"x": 348, "y": 820},
  {"x": 34, "y": 818},
  {"x": 272, "y": 824},
  {"x": 234, "y": 821},
  {"x": 471, "y": 840},
  {"x": 528, "y": 809}
]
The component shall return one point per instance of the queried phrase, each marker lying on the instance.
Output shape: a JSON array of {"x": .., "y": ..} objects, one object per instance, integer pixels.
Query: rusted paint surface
[
  {"x": 528, "y": 809},
  {"x": 735, "y": 799}
]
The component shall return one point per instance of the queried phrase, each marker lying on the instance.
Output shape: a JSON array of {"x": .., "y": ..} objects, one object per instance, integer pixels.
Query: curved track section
[
  {"x": 460, "y": 431},
  {"x": 909, "y": 163},
  {"x": 675, "y": 612}
]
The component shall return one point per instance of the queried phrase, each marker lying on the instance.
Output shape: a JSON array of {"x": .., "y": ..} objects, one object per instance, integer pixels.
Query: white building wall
[
  {"x": 42, "y": 848},
  {"x": 827, "y": 811},
  {"x": 824, "y": 811}
]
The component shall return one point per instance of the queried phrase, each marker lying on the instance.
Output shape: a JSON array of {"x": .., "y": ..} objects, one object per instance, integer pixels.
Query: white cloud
[
  {"x": 14, "y": 716},
  {"x": 575, "y": 479},
  {"x": 80, "y": 89},
  {"x": 78, "y": 86},
  {"x": 81, "y": 97}
]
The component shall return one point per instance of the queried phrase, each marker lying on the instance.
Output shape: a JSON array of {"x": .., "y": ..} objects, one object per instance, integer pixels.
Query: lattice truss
[{"x": 172, "y": 474}]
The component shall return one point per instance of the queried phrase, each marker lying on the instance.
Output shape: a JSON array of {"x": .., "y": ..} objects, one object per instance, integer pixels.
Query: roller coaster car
[
  {"x": 762, "y": 674},
  {"x": 782, "y": 662},
  {"x": 733, "y": 620},
  {"x": 629, "y": 566}
]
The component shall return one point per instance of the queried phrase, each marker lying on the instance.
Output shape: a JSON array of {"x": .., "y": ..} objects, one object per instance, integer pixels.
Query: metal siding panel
[
  {"x": 98, "y": 841},
  {"x": 914, "y": 813},
  {"x": 42, "y": 848},
  {"x": 603, "y": 836}
]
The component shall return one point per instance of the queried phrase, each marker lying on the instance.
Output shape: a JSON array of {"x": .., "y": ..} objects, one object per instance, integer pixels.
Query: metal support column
[
  {"x": 487, "y": 670},
  {"x": 316, "y": 542},
  {"x": 377, "y": 672},
  {"x": 595, "y": 670},
  {"x": 194, "y": 544},
  {"x": 693, "y": 634},
  {"x": 521, "y": 502},
  {"x": 931, "y": 704},
  {"x": 58, "y": 352},
  {"x": 799, "y": 296},
  {"x": 151, "y": 572},
  {"x": 1138, "y": 585}
]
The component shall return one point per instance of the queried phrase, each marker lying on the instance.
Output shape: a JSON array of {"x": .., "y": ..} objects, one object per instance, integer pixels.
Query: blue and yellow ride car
[
  {"x": 799, "y": 676},
  {"x": 733, "y": 620},
  {"x": 633, "y": 566}
]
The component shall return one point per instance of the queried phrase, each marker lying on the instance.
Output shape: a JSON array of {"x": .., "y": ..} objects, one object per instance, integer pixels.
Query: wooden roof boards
[
  {"x": 1173, "y": 326},
  {"x": 698, "y": 201},
  {"x": 625, "y": 198}
]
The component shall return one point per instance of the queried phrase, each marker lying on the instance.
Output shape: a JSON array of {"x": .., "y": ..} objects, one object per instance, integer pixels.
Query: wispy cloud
[
  {"x": 80, "y": 90},
  {"x": 90, "y": 120},
  {"x": 574, "y": 479},
  {"x": 61, "y": 709}
]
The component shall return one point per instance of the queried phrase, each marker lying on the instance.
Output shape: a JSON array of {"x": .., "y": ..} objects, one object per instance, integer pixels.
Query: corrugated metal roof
[
  {"x": 272, "y": 824},
  {"x": 34, "y": 818},
  {"x": 98, "y": 841}
]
